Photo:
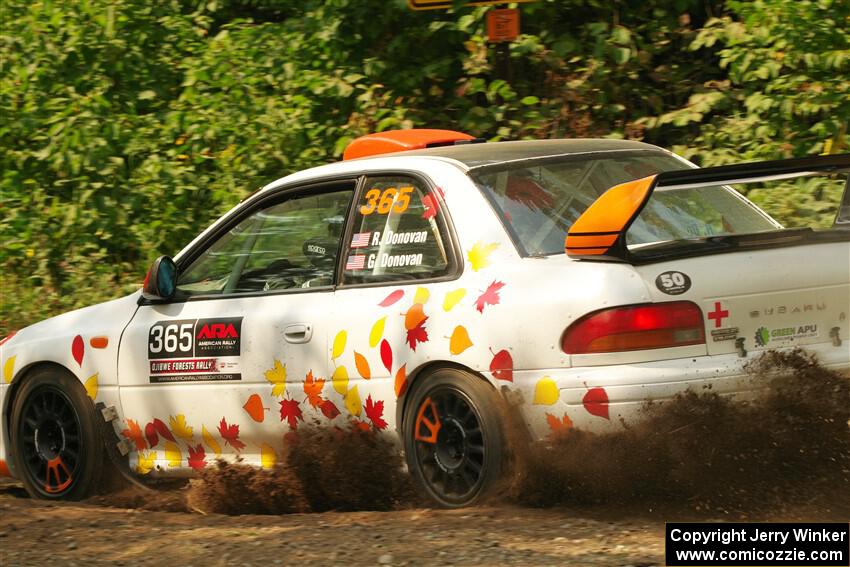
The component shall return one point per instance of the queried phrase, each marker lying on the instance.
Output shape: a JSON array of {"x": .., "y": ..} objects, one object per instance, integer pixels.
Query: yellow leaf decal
[
  {"x": 339, "y": 344},
  {"x": 210, "y": 441},
  {"x": 352, "y": 401},
  {"x": 145, "y": 463},
  {"x": 546, "y": 392},
  {"x": 268, "y": 457},
  {"x": 179, "y": 427},
  {"x": 422, "y": 295},
  {"x": 453, "y": 298},
  {"x": 459, "y": 341},
  {"x": 172, "y": 454},
  {"x": 362, "y": 365},
  {"x": 479, "y": 255},
  {"x": 277, "y": 376},
  {"x": 91, "y": 387},
  {"x": 377, "y": 332},
  {"x": 9, "y": 367},
  {"x": 340, "y": 380}
]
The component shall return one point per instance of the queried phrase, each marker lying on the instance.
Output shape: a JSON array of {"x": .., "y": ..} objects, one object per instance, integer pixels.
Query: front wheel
[
  {"x": 453, "y": 437},
  {"x": 54, "y": 437}
]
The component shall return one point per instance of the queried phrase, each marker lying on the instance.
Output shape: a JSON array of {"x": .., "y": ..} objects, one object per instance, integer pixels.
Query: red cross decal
[{"x": 718, "y": 315}]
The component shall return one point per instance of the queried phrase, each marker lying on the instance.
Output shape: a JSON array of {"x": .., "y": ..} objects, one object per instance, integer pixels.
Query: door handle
[{"x": 298, "y": 333}]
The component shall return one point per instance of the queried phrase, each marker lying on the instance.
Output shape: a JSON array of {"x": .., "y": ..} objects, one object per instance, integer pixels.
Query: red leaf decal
[
  {"x": 78, "y": 349},
  {"x": 417, "y": 335},
  {"x": 375, "y": 412},
  {"x": 197, "y": 457},
  {"x": 230, "y": 434},
  {"x": 559, "y": 425},
  {"x": 502, "y": 365},
  {"x": 151, "y": 436},
  {"x": 392, "y": 298},
  {"x": 490, "y": 296},
  {"x": 162, "y": 429},
  {"x": 313, "y": 389},
  {"x": 387, "y": 355},
  {"x": 254, "y": 407},
  {"x": 329, "y": 409},
  {"x": 596, "y": 402},
  {"x": 431, "y": 203},
  {"x": 290, "y": 412}
]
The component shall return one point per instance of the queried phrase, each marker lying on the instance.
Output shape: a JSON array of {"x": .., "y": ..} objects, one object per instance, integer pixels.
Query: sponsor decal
[
  {"x": 316, "y": 249},
  {"x": 195, "y": 350},
  {"x": 718, "y": 314},
  {"x": 779, "y": 335},
  {"x": 727, "y": 334},
  {"x": 673, "y": 283},
  {"x": 784, "y": 309}
]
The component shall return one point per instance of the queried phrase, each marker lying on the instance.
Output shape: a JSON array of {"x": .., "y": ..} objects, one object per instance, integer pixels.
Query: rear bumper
[{"x": 628, "y": 387}]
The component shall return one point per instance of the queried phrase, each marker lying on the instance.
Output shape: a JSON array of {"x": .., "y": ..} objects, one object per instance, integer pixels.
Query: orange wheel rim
[
  {"x": 56, "y": 471},
  {"x": 430, "y": 425}
]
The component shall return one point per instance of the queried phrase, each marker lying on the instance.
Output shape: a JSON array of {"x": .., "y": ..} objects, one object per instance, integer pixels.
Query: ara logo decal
[
  {"x": 218, "y": 331},
  {"x": 218, "y": 337},
  {"x": 191, "y": 350}
]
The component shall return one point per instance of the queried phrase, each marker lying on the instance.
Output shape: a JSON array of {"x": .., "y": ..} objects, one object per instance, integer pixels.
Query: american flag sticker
[
  {"x": 360, "y": 239},
  {"x": 355, "y": 262}
]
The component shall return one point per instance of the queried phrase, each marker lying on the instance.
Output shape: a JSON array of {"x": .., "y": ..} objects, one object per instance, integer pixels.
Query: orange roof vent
[{"x": 402, "y": 140}]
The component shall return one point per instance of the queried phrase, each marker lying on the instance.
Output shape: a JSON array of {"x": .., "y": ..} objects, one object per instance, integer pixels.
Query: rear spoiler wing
[{"x": 600, "y": 232}]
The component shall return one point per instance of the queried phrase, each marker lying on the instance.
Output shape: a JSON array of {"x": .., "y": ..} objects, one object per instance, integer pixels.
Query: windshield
[{"x": 539, "y": 200}]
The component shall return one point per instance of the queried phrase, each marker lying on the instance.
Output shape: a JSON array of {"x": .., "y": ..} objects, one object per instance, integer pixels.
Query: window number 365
[
  {"x": 171, "y": 338},
  {"x": 384, "y": 201}
]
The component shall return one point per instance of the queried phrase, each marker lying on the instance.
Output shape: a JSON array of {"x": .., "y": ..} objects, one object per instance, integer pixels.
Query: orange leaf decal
[
  {"x": 401, "y": 380},
  {"x": 290, "y": 412},
  {"x": 254, "y": 407},
  {"x": 387, "y": 355},
  {"x": 490, "y": 296},
  {"x": 559, "y": 425},
  {"x": 230, "y": 434},
  {"x": 313, "y": 389},
  {"x": 362, "y": 365},
  {"x": 361, "y": 425},
  {"x": 414, "y": 317},
  {"x": 375, "y": 412},
  {"x": 459, "y": 340},
  {"x": 197, "y": 457},
  {"x": 329, "y": 409},
  {"x": 134, "y": 434}
]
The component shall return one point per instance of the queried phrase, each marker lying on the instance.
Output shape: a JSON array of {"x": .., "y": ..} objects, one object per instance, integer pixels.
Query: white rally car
[{"x": 410, "y": 291}]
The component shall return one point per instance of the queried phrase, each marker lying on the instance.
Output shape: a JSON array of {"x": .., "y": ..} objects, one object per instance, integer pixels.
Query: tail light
[{"x": 636, "y": 327}]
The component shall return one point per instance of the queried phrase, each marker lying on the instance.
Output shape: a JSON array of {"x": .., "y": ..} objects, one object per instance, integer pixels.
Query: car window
[
  {"x": 293, "y": 244},
  {"x": 399, "y": 233}
]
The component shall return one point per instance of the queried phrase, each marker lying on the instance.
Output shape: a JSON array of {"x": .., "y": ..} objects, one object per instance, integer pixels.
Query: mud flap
[{"x": 116, "y": 449}]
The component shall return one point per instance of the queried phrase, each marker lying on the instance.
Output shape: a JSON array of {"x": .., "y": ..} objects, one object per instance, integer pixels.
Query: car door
[{"x": 208, "y": 373}]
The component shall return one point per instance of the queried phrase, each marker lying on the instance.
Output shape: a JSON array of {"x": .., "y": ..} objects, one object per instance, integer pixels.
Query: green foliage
[{"x": 127, "y": 126}]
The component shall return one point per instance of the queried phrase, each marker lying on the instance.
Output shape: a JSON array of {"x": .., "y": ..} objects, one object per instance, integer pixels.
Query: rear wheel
[
  {"x": 453, "y": 437},
  {"x": 54, "y": 437}
]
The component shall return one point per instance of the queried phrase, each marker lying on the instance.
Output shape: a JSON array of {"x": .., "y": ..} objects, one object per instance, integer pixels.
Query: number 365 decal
[{"x": 384, "y": 201}]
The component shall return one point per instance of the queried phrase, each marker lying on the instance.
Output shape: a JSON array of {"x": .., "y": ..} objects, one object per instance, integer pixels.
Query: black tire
[
  {"x": 456, "y": 456},
  {"x": 55, "y": 443}
]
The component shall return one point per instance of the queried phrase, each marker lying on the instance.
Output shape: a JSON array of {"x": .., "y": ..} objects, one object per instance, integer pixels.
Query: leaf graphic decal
[
  {"x": 329, "y": 409},
  {"x": 377, "y": 332},
  {"x": 254, "y": 407},
  {"x": 181, "y": 430},
  {"x": 595, "y": 401},
  {"x": 401, "y": 380},
  {"x": 352, "y": 401},
  {"x": 490, "y": 296},
  {"x": 146, "y": 462},
  {"x": 210, "y": 441},
  {"x": 459, "y": 340},
  {"x": 162, "y": 430},
  {"x": 151, "y": 436},
  {"x": 479, "y": 255},
  {"x": 268, "y": 457},
  {"x": 387, "y": 355},
  {"x": 339, "y": 344},
  {"x": 375, "y": 412},
  {"x": 277, "y": 377},
  {"x": 173, "y": 454},
  {"x": 546, "y": 392},
  {"x": 230, "y": 434},
  {"x": 502, "y": 365},
  {"x": 91, "y": 387},
  {"x": 453, "y": 298},
  {"x": 559, "y": 425},
  {"x": 340, "y": 380},
  {"x": 134, "y": 434},
  {"x": 414, "y": 322},
  {"x": 313, "y": 388},
  {"x": 421, "y": 296},
  {"x": 392, "y": 298},
  {"x": 9, "y": 369},
  {"x": 197, "y": 457},
  {"x": 290, "y": 412},
  {"x": 362, "y": 365},
  {"x": 78, "y": 349}
]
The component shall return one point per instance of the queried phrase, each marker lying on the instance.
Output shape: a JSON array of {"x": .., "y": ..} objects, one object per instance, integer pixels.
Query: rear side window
[{"x": 399, "y": 233}]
